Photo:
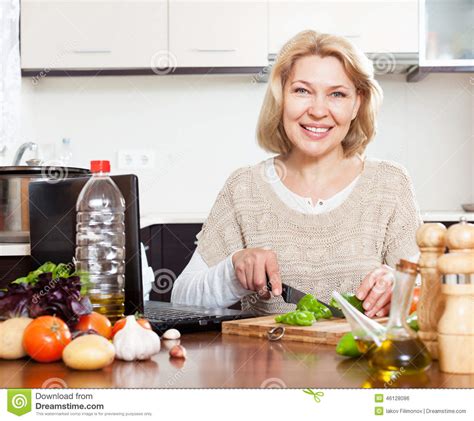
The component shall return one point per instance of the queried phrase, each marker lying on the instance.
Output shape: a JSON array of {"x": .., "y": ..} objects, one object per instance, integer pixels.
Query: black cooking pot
[{"x": 14, "y": 203}]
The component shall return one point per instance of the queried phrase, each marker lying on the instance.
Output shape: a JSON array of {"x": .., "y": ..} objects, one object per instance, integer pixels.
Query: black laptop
[{"x": 52, "y": 238}]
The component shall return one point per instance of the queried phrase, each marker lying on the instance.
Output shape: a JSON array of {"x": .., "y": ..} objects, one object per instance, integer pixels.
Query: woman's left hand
[{"x": 376, "y": 291}]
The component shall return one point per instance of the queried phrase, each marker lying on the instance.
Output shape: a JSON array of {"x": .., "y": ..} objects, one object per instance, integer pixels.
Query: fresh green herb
[
  {"x": 61, "y": 270},
  {"x": 47, "y": 296}
]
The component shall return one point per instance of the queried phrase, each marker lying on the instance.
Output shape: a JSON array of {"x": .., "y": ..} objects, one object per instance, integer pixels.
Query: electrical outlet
[{"x": 136, "y": 159}]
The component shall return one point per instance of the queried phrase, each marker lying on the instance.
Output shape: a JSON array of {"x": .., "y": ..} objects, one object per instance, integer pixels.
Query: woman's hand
[
  {"x": 376, "y": 291},
  {"x": 252, "y": 266}
]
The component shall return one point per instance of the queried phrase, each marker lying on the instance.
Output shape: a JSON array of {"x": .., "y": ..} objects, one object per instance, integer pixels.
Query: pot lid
[{"x": 27, "y": 170}]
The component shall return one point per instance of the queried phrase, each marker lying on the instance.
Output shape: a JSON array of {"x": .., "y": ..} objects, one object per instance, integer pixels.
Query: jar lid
[{"x": 100, "y": 166}]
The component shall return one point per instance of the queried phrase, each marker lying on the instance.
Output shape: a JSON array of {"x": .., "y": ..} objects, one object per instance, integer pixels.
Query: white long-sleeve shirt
[{"x": 218, "y": 286}]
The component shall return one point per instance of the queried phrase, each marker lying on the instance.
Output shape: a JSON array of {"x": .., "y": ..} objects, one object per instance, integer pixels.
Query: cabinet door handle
[
  {"x": 91, "y": 51},
  {"x": 215, "y": 50},
  {"x": 147, "y": 248}
]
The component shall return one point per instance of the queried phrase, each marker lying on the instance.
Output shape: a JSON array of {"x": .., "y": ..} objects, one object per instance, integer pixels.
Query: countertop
[
  {"x": 226, "y": 361},
  {"x": 14, "y": 249}
]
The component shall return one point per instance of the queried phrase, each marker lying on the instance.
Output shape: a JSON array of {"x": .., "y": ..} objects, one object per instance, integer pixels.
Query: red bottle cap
[{"x": 100, "y": 166}]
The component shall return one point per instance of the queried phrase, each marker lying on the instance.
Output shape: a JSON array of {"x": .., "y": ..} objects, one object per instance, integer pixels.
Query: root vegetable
[
  {"x": 11, "y": 338},
  {"x": 89, "y": 352}
]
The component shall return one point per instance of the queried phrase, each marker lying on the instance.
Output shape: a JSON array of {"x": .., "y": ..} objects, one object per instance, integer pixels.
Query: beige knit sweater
[{"x": 319, "y": 253}]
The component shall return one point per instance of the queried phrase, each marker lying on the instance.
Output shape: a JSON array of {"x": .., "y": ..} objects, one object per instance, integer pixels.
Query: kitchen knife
[{"x": 292, "y": 296}]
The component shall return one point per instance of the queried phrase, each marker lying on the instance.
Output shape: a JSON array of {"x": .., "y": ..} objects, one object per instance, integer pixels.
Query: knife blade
[{"x": 293, "y": 296}]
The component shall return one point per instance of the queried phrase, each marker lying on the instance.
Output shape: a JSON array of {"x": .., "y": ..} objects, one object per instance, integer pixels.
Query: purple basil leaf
[{"x": 60, "y": 297}]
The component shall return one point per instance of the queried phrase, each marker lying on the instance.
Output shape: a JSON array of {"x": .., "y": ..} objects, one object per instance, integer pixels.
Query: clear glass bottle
[
  {"x": 401, "y": 350},
  {"x": 100, "y": 241}
]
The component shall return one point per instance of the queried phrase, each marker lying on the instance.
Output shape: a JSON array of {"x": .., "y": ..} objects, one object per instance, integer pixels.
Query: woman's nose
[{"x": 318, "y": 106}]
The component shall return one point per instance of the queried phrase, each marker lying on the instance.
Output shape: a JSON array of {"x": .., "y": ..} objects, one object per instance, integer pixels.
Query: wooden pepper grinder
[
  {"x": 431, "y": 239},
  {"x": 456, "y": 326}
]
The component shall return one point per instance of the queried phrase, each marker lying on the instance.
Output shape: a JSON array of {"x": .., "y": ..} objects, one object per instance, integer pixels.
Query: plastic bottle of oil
[
  {"x": 401, "y": 348},
  {"x": 100, "y": 241}
]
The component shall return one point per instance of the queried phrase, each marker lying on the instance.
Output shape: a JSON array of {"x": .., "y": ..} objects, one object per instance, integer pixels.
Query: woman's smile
[{"x": 316, "y": 132}]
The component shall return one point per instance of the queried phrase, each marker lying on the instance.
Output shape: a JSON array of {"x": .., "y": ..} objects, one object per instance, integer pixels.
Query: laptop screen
[{"x": 53, "y": 228}]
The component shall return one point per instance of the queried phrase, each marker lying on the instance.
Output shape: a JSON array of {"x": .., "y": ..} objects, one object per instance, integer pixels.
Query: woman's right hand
[{"x": 252, "y": 266}]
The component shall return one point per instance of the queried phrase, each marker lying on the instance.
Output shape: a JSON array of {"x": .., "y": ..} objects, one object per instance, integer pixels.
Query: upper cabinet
[
  {"x": 374, "y": 26},
  {"x": 93, "y": 34},
  {"x": 166, "y": 36},
  {"x": 447, "y": 33},
  {"x": 218, "y": 33}
]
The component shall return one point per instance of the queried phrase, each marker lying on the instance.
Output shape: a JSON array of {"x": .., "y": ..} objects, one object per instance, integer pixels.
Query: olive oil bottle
[
  {"x": 365, "y": 346},
  {"x": 111, "y": 306},
  {"x": 401, "y": 350}
]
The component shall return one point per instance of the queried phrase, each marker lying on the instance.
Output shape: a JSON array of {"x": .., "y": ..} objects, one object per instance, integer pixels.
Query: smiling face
[{"x": 319, "y": 103}]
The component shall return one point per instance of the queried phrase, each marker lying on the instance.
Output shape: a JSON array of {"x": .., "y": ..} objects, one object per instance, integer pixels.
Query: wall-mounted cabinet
[
  {"x": 374, "y": 26},
  {"x": 446, "y": 33},
  {"x": 218, "y": 33},
  {"x": 191, "y": 36},
  {"x": 93, "y": 34}
]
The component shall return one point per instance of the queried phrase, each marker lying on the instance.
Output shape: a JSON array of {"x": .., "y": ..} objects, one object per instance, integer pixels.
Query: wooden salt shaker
[
  {"x": 431, "y": 239},
  {"x": 456, "y": 326}
]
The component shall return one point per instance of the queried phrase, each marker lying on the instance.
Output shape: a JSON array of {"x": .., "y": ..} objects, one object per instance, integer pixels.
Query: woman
[{"x": 318, "y": 216}]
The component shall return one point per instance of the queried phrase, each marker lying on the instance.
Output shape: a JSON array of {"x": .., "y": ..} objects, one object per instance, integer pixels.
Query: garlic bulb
[{"x": 135, "y": 343}]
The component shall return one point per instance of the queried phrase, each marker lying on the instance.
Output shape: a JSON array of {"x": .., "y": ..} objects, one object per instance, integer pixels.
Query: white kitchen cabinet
[
  {"x": 218, "y": 33},
  {"x": 93, "y": 34},
  {"x": 373, "y": 25}
]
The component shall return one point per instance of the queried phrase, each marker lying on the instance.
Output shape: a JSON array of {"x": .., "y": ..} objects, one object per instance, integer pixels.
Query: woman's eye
[
  {"x": 301, "y": 91},
  {"x": 338, "y": 94}
]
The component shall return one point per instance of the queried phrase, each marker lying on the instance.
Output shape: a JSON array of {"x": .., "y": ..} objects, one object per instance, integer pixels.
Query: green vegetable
[
  {"x": 61, "y": 270},
  {"x": 351, "y": 299},
  {"x": 296, "y": 318},
  {"x": 412, "y": 321},
  {"x": 347, "y": 346},
  {"x": 309, "y": 303}
]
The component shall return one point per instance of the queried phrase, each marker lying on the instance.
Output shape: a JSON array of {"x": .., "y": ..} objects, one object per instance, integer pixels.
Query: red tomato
[
  {"x": 97, "y": 322},
  {"x": 416, "y": 298},
  {"x": 45, "y": 338},
  {"x": 119, "y": 324}
]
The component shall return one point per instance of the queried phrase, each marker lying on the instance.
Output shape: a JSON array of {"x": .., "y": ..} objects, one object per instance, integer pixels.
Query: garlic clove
[
  {"x": 178, "y": 351},
  {"x": 170, "y": 343},
  {"x": 171, "y": 334},
  {"x": 177, "y": 363}
]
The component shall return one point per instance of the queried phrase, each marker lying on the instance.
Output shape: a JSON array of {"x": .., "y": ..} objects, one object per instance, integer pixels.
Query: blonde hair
[{"x": 271, "y": 134}]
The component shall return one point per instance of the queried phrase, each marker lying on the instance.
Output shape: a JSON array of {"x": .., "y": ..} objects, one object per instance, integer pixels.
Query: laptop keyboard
[{"x": 174, "y": 315}]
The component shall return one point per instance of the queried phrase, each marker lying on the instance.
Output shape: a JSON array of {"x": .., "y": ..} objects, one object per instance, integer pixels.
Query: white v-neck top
[{"x": 305, "y": 204}]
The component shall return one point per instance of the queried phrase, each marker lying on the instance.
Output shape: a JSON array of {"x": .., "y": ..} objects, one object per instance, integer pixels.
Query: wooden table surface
[{"x": 226, "y": 361}]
